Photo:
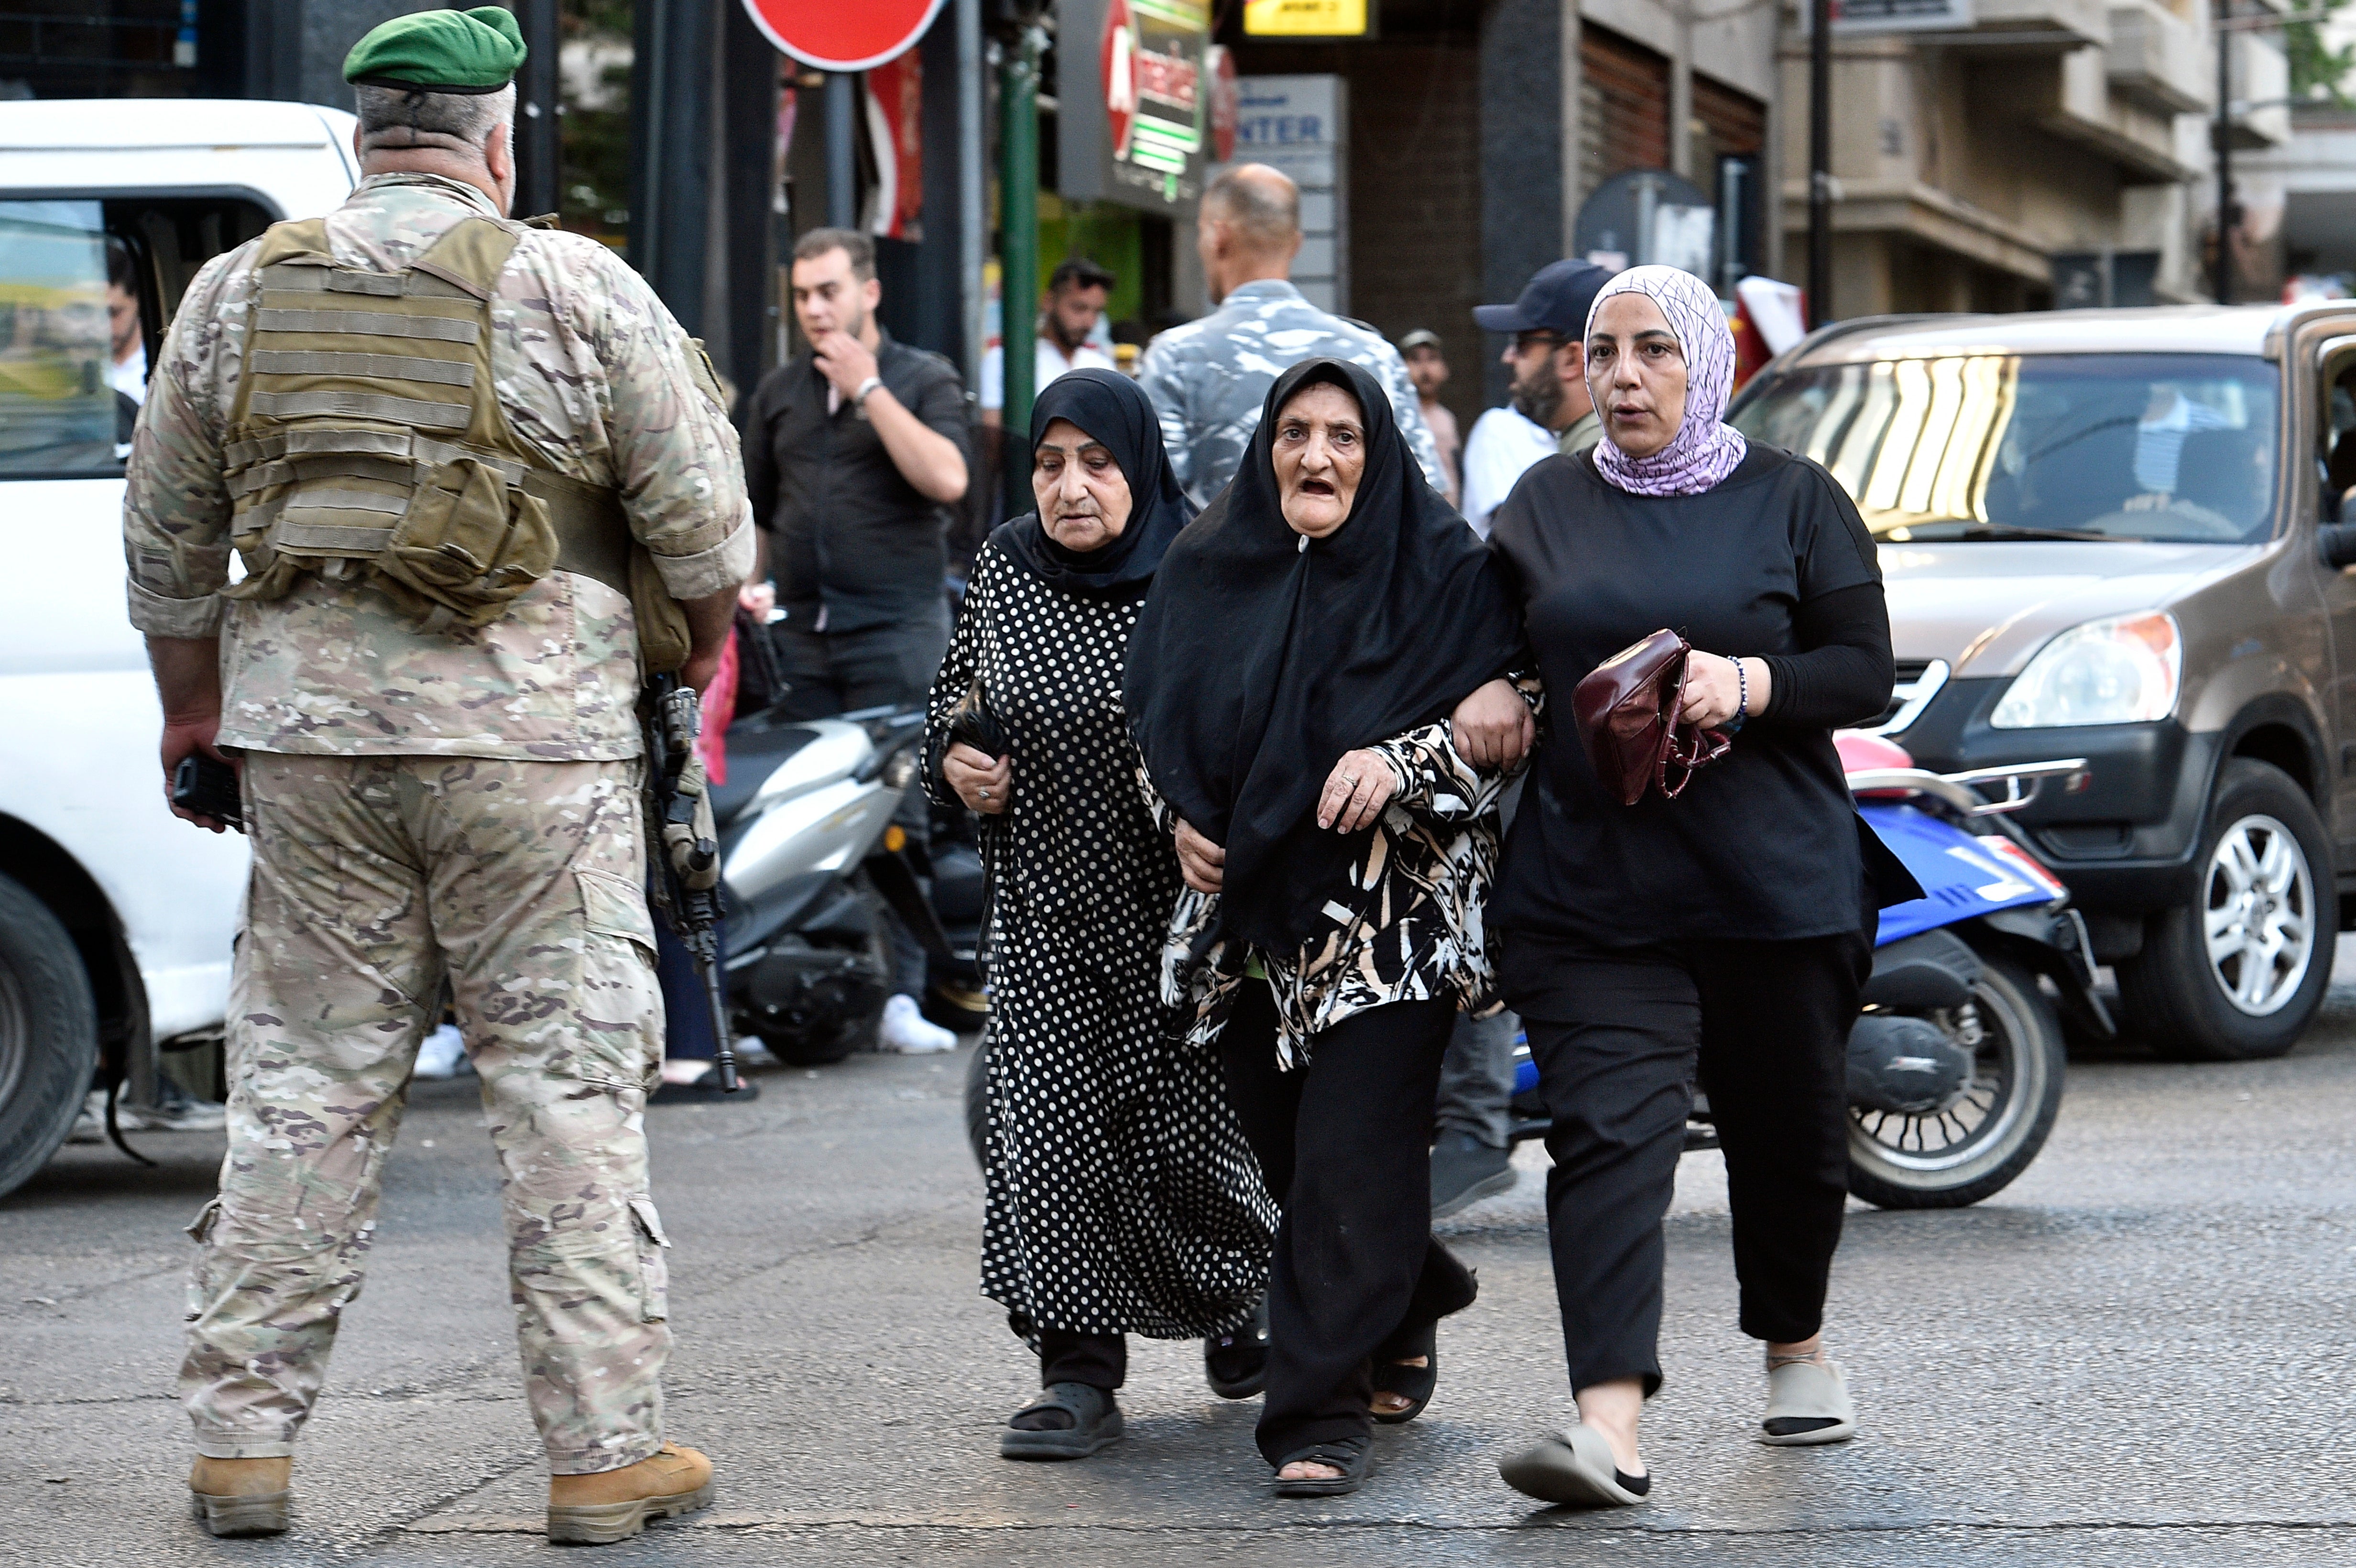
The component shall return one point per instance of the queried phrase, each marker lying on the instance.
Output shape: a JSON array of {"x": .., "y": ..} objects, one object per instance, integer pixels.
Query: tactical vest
[{"x": 367, "y": 438}]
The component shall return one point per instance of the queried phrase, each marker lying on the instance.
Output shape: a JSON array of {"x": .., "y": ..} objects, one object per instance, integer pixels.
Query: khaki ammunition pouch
[{"x": 367, "y": 439}]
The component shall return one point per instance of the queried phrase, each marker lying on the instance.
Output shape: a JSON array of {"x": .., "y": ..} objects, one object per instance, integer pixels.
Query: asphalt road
[{"x": 2137, "y": 1355}]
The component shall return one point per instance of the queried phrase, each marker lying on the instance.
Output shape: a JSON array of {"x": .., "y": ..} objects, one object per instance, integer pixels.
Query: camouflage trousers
[{"x": 375, "y": 878}]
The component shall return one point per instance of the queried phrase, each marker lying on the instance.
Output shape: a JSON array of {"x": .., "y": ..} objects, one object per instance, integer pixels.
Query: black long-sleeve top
[{"x": 1774, "y": 563}]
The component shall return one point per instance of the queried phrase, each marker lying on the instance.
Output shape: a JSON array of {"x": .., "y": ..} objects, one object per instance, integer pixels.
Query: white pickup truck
[{"x": 116, "y": 918}]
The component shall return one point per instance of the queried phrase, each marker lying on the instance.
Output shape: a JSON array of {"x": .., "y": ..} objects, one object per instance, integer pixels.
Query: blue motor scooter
[{"x": 1955, "y": 1067}]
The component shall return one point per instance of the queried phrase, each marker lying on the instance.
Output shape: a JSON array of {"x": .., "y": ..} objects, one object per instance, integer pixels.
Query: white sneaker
[
  {"x": 443, "y": 1053},
  {"x": 909, "y": 1032}
]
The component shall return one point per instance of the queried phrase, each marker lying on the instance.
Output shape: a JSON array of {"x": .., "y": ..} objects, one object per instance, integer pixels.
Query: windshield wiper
[{"x": 2017, "y": 531}]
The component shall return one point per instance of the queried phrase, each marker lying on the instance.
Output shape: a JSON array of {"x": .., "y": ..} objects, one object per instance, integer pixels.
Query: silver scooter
[{"x": 810, "y": 857}]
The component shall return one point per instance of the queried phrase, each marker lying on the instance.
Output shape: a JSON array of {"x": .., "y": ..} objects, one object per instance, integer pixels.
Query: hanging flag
[{"x": 895, "y": 135}]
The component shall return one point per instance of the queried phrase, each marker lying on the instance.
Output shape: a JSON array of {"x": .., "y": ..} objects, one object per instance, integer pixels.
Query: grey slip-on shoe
[
  {"x": 1575, "y": 1466},
  {"x": 1807, "y": 1403}
]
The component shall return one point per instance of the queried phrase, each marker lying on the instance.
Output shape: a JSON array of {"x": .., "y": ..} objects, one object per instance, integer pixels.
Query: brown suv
[{"x": 2115, "y": 535}]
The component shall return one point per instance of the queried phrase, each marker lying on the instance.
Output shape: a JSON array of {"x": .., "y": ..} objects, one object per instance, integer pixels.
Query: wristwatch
[{"x": 858, "y": 395}]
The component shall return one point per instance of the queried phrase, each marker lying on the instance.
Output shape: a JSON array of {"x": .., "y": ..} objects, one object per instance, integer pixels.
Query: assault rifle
[{"x": 685, "y": 847}]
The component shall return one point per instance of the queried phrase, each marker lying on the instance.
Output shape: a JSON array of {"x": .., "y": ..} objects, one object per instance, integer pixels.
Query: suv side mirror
[{"x": 2336, "y": 542}]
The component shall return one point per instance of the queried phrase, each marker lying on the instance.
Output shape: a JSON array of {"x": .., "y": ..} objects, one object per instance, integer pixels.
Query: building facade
[{"x": 2052, "y": 152}]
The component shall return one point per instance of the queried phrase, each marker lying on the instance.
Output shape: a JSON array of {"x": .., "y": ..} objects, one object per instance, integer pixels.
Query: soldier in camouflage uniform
[
  {"x": 430, "y": 798},
  {"x": 1208, "y": 378}
]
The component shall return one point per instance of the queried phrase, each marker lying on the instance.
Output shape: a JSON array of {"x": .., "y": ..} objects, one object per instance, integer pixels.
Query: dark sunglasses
[{"x": 1526, "y": 341}]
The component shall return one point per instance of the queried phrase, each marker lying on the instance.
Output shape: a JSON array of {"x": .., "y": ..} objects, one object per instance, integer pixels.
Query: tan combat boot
[
  {"x": 613, "y": 1505},
  {"x": 241, "y": 1496}
]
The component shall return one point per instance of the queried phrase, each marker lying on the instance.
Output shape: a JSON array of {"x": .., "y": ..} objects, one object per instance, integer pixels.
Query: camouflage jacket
[
  {"x": 1208, "y": 378},
  {"x": 591, "y": 371}
]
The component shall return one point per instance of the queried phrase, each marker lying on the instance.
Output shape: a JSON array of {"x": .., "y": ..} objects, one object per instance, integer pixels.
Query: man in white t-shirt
[
  {"x": 1076, "y": 291},
  {"x": 1548, "y": 357},
  {"x": 1473, "y": 1156},
  {"x": 126, "y": 363}
]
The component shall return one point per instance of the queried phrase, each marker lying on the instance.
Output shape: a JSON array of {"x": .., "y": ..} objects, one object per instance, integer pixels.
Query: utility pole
[
  {"x": 974, "y": 193},
  {"x": 671, "y": 157},
  {"x": 1820, "y": 162},
  {"x": 842, "y": 159},
  {"x": 1018, "y": 209},
  {"x": 538, "y": 150},
  {"x": 2222, "y": 139}
]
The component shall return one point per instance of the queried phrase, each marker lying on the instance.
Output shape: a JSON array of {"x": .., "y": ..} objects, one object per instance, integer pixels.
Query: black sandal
[
  {"x": 1353, "y": 1456},
  {"x": 1096, "y": 1424},
  {"x": 1414, "y": 1383},
  {"x": 1236, "y": 1365}
]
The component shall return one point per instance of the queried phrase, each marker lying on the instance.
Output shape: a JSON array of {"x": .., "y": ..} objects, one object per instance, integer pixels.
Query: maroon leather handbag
[{"x": 1627, "y": 713}]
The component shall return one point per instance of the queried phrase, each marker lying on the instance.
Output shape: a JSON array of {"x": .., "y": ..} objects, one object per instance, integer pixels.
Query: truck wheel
[
  {"x": 1974, "y": 1148},
  {"x": 2236, "y": 973},
  {"x": 48, "y": 1034}
]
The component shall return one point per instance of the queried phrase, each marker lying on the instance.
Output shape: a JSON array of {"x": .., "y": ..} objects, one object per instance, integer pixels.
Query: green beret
[{"x": 472, "y": 51}]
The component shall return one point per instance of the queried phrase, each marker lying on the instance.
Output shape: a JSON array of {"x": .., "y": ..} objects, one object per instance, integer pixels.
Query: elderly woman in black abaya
[
  {"x": 1121, "y": 1196},
  {"x": 1290, "y": 685}
]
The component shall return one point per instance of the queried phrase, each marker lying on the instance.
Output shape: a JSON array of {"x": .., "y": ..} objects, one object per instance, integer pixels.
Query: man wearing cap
[
  {"x": 1473, "y": 1158},
  {"x": 1426, "y": 366},
  {"x": 1550, "y": 409},
  {"x": 478, "y": 476}
]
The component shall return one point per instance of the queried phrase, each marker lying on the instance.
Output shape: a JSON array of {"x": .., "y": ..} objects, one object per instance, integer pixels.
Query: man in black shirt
[{"x": 853, "y": 453}]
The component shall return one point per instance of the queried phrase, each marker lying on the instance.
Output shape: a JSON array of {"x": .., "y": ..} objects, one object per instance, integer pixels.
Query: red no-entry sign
[{"x": 843, "y": 35}]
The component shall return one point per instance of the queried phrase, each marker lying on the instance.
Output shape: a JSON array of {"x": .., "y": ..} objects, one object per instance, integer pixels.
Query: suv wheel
[
  {"x": 48, "y": 1034},
  {"x": 2236, "y": 973}
]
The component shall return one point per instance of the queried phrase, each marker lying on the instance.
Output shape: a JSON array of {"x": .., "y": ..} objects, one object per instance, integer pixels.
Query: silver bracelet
[{"x": 1742, "y": 694}]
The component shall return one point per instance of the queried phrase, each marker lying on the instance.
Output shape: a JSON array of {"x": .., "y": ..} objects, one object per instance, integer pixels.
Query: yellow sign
[{"x": 1305, "y": 18}]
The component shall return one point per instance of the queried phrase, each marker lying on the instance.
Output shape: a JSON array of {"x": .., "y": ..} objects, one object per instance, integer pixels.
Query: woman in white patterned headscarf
[{"x": 1722, "y": 934}]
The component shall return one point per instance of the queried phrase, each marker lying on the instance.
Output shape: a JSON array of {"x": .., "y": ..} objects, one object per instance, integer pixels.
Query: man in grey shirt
[{"x": 1208, "y": 378}]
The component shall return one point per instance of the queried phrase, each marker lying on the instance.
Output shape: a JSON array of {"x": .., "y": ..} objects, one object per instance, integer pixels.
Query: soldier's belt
[{"x": 593, "y": 533}]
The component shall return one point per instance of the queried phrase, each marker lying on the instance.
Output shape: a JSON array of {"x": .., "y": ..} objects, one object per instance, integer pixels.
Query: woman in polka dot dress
[{"x": 1121, "y": 1197}]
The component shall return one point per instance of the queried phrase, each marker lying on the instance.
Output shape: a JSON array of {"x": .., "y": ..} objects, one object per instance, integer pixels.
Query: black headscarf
[
  {"x": 1115, "y": 410},
  {"x": 1256, "y": 662}
]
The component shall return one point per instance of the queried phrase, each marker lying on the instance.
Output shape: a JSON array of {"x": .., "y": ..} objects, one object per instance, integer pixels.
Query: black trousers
[
  {"x": 1347, "y": 1145},
  {"x": 1617, "y": 1034},
  {"x": 1100, "y": 1360},
  {"x": 877, "y": 666}
]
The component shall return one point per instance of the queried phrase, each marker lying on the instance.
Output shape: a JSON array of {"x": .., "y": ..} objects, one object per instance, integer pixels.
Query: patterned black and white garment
[
  {"x": 1416, "y": 932},
  {"x": 1121, "y": 1196}
]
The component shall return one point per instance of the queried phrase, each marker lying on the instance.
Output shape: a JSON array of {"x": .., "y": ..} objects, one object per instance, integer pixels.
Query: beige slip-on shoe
[
  {"x": 613, "y": 1505},
  {"x": 1807, "y": 1403},
  {"x": 240, "y": 1497},
  {"x": 1575, "y": 1466}
]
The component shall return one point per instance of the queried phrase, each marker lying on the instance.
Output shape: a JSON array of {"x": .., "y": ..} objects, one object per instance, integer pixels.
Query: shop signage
[
  {"x": 1150, "y": 83},
  {"x": 1305, "y": 18},
  {"x": 832, "y": 36}
]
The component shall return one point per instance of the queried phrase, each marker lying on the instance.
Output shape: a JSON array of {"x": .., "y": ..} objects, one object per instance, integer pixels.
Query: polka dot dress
[{"x": 1121, "y": 1195}]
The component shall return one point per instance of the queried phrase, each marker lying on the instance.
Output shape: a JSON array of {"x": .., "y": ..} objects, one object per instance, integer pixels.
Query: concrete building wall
[{"x": 1963, "y": 168}]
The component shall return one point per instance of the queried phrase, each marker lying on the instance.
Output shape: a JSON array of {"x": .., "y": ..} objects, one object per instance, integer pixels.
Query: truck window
[
  {"x": 59, "y": 416},
  {"x": 2336, "y": 446},
  {"x": 87, "y": 288},
  {"x": 2173, "y": 447}
]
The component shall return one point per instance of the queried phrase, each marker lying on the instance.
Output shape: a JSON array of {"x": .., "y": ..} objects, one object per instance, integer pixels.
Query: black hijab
[
  {"x": 1261, "y": 656},
  {"x": 1113, "y": 410}
]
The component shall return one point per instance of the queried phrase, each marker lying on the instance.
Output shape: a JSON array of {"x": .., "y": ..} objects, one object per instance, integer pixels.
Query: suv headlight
[{"x": 2121, "y": 670}]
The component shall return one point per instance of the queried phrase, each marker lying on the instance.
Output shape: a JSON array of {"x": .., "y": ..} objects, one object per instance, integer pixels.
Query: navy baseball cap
[{"x": 1557, "y": 300}]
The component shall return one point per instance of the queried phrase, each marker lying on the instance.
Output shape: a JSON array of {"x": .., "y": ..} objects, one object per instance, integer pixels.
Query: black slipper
[
  {"x": 1096, "y": 1424},
  {"x": 1236, "y": 1365},
  {"x": 1415, "y": 1383},
  {"x": 1353, "y": 1456}
]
